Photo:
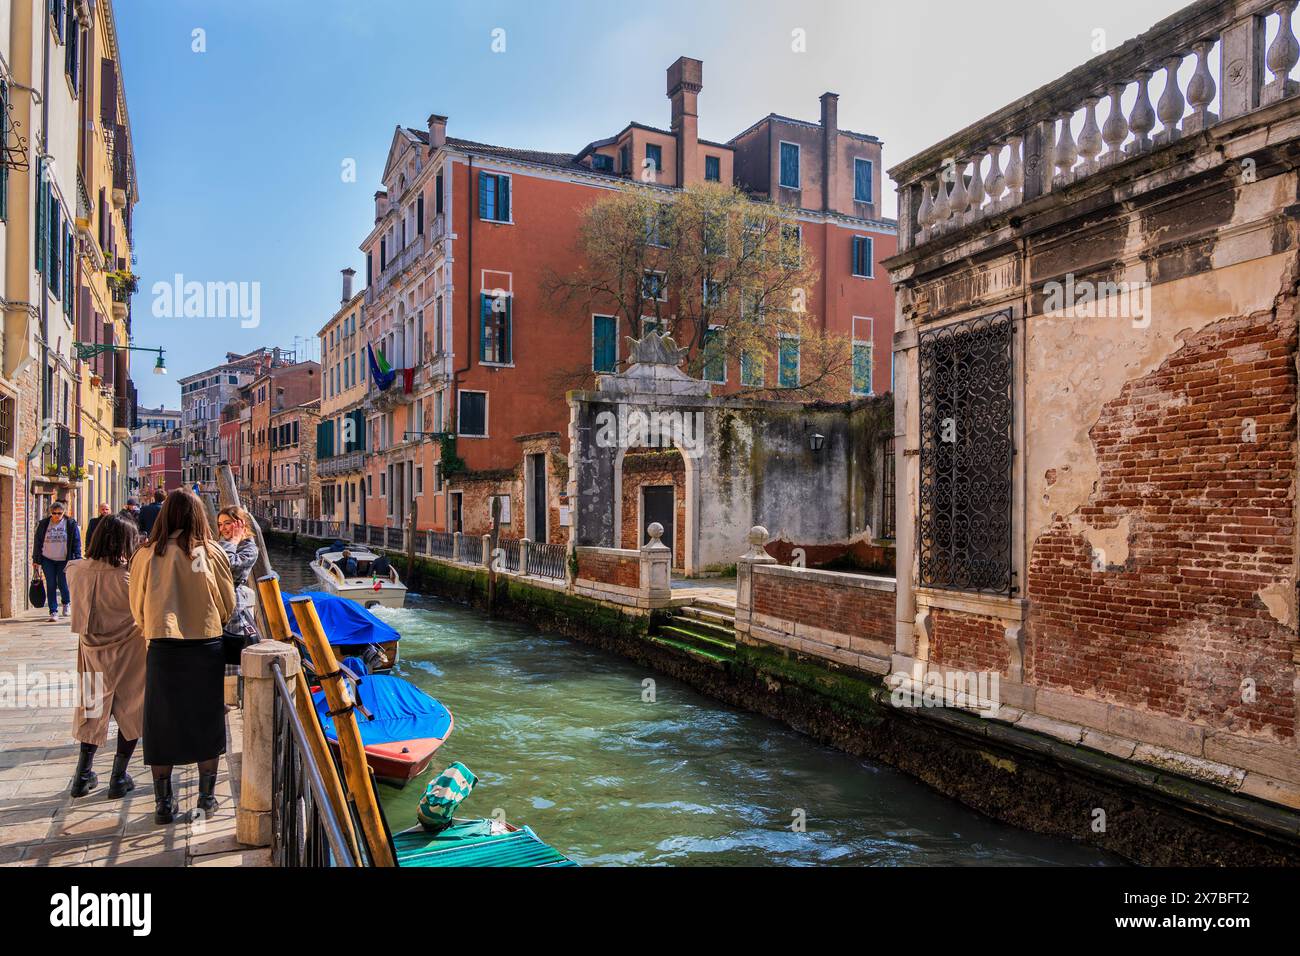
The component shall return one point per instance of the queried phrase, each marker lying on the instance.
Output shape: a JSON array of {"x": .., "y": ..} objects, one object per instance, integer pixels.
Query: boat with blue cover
[
  {"x": 405, "y": 726},
  {"x": 352, "y": 630}
]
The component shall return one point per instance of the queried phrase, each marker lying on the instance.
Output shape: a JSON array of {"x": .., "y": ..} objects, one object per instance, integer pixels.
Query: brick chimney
[
  {"x": 381, "y": 204},
  {"x": 347, "y": 283},
  {"x": 437, "y": 131},
  {"x": 830, "y": 147},
  {"x": 685, "y": 80}
]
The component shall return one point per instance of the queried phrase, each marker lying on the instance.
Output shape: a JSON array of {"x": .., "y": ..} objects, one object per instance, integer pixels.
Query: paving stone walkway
[{"x": 41, "y": 825}]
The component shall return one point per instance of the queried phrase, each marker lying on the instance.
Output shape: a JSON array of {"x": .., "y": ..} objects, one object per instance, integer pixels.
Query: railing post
[
  {"x": 253, "y": 818},
  {"x": 756, "y": 554},
  {"x": 487, "y": 550},
  {"x": 455, "y": 546},
  {"x": 523, "y": 556},
  {"x": 656, "y": 569}
]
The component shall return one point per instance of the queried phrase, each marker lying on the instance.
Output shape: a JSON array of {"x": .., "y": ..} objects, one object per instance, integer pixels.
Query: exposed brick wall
[
  {"x": 968, "y": 642},
  {"x": 857, "y": 611},
  {"x": 610, "y": 569},
  {"x": 1178, "y": 627}
]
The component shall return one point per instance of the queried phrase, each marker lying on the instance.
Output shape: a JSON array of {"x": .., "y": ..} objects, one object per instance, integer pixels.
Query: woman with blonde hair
[
  {"x": 182, "y": 595},
  {"x": 238, "y": 540}
]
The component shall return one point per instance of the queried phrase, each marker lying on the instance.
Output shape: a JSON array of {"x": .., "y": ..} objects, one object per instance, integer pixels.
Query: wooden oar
[
  {"x": 351, "y": 751},
  {"x": 268, "y": 589}
]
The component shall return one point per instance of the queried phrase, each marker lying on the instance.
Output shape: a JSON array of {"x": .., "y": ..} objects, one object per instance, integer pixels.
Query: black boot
[
  {"x": 207, "y": 788},
  {"x": 84, "y": 780},
  {"x": 165, "y": 808},
  {"x": 120, "y": 782}
]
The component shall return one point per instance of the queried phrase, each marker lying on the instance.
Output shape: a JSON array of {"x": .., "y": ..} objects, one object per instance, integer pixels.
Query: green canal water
[{"x": 562, "y": 740}]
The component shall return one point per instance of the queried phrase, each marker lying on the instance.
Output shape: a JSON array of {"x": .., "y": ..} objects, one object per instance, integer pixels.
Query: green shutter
[
  {"x": 485, "y": 316},
  {"x": 503, "y": 198},
  {"x": 604, "y": 342},
  {"x": 485, "y": 198},
  {"x": 789, "y": 365},
  {"x": 41, "y": 213}
]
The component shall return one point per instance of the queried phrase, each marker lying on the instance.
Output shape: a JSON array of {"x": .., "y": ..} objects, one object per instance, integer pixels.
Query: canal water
[{"x": 562, "y": 739}]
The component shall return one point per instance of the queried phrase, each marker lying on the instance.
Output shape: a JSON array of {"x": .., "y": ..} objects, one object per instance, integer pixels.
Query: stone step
[
  {"x": 721, "y": 618},
  {"x": 707, "y": 642},
  {"x": 717, "y": 607},
  {"x": 719, "y": 631},
  {"x": 708, "y": 657}
]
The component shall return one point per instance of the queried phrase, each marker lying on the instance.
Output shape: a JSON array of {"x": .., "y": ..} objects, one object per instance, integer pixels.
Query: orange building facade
[{"x": 465, "y": 238}]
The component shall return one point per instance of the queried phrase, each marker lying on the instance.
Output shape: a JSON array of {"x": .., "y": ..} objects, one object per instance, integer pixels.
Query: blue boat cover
[
  {"x": 345, "y": 621},
  {"x": 399, "y": 711}
]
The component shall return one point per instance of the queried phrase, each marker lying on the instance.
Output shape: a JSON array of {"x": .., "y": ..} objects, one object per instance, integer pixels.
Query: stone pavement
[
  {"x": 716, "y": 590},
  {"x": 40, "y": 825}
]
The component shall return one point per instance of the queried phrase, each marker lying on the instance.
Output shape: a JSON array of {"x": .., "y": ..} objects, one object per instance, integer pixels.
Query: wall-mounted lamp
[{"x": 816, "y": 441}]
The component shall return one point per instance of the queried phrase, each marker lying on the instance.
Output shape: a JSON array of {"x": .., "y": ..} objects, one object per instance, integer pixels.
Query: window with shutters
[
  {"x": 862, "y": 186},
  {"x": 55, "y": 239},
  {"x": 419, "y": 215},
  {"x": 751, "y": 369},
  {"x": 72, "y": 53},
  {"x": 715, "y": 356},
  {"x": 437, "y": 194},
  {"x": 494, "y": 328},
  {"x": 494, "y": 197},
  {"x": 790, "y": 165},
  {"x": 788, "y": 364},
  {"x": 604, "y": 343},
  {"x": 862, "y": 355},
  {"x": 473, "y": 414},
  {"x": 654, "y": 157},
  {"x": 712, "y": 169},
  {"x": 602, "y": 162},
  {"x": 863, "y": 257},
  {"x": 625, "y": 158}
]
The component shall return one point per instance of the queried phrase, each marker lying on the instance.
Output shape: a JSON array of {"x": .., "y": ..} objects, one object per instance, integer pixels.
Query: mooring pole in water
[
  {"x": 268, "y": 588},
  {"x": 492, "y": 556},
  {"x": 410, "y": 540},
  {"x": 351, "y": 751}
]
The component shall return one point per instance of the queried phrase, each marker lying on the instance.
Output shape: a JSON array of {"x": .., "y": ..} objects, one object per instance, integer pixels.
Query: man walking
[
  {"x": 131, "y": 510},
  {"x": 104, "y": 509},
  {"x": 58, "y": 541},
  {"x": 149, "y": 513}
]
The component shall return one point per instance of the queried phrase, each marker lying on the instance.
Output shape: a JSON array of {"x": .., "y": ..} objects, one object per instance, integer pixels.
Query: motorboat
[{"x": 360, "y": 575}]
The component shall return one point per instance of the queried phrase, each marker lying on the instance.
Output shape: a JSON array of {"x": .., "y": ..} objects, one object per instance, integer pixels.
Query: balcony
[
  {"x": 396, "y": 395},
  {"x": 396, "y": 267},
  {"x": 341, "y": 464},
  {"x": 63, "y": 458},
  {"x": 997, "y": 170}
]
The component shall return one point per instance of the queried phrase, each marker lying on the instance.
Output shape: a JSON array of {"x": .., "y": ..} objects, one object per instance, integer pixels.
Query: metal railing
[
  {"x": 510, "y": 547},
  {"x": 548, "y": 560},
  {"x": 304, "y": 829},
  {"x": 440, "y": 544},
  {"x": 394, "y": 538}
]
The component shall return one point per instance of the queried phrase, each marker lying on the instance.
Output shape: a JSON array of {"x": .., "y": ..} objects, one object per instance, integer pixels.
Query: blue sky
[{"x": 240, "y": 149}]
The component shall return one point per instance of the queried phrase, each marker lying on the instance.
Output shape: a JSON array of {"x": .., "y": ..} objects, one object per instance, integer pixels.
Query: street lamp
[
  {"x": 816, "y": 442},
  {"x": 88, "y": 350}
]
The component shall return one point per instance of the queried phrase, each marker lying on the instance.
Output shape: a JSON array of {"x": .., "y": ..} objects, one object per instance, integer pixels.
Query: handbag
[
  {"x": 232, "y": 646},
  {"x": 36, "y": 591}
]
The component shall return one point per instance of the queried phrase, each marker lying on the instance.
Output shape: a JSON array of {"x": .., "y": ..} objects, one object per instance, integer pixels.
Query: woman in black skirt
[{"x": 182, "y": 594}]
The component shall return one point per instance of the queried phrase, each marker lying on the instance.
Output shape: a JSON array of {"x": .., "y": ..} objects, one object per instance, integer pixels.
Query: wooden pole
[
  {"x": 351, "y": 751},
  {"x": 278, "y": 630},
  {"x": 410, "y": 541},
  {"x": 228, "y": 496}
]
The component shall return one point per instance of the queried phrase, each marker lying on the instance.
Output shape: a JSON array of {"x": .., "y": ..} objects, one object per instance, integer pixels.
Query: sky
[{"x": 246, "y": 113}]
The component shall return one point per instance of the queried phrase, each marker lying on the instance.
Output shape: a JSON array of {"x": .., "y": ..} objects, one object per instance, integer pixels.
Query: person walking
[
  {"x": 104, "y": 509},
  {"x": 149, "y": 513},
  {"x": 110, "y": 654},
  {"x": 131, "y": 510},
  {"x": 235, "y": 528},
  {"x": 58, "y": 541},
  {"x": 182, "y": 595}
]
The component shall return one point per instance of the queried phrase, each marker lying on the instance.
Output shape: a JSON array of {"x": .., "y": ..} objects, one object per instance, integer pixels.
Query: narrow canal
[{"x": 562, "y": 740}]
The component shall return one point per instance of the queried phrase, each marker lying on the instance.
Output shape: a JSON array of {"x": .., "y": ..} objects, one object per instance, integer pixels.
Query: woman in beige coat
[
  {"x": 110, "y": 654},
  {"x": 182, "y": 595}
]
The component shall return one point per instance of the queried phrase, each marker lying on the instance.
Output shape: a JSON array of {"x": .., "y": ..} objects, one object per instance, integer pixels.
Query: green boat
[{"x": 475, "y": 843}]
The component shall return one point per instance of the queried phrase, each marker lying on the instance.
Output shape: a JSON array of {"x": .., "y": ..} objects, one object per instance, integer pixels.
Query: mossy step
[
  {"x": 707, "y": 616},
  {"x": 703, "y": 628},
  {"x": 703, "y": 641},
  {"x": 715, "y": 660}
]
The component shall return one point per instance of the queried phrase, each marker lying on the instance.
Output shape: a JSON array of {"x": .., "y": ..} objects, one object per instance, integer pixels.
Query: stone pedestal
[
  {"x": 253, "y": 818},
  {"x": 756, "y": 554},
  {"x": 656, "y": 569}
]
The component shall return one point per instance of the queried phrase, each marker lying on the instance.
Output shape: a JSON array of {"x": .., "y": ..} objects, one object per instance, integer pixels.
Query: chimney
[
  {"x": 381, "y": 204},
  {"x": 685, "y": 80},
  {"x": 830, "y": 147},
  {"x": 437, "y": 131},
  {"x": 347, "y": 284}
]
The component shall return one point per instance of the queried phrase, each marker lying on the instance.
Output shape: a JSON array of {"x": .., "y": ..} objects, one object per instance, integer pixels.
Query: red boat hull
[{"x": 399, "y": 761}]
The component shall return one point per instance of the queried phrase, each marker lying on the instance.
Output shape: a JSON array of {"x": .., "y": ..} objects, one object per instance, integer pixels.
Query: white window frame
[
  {"x": 486, "y": 411},
  {"x": 798, "y": 162},
  {"x": 509, "y": 176},
  {"x": 871, "y": 174},
  {"x": 594, "y": 317},
  {"x": 871, "y": 259},
  {"x": 870, "y": 342}
]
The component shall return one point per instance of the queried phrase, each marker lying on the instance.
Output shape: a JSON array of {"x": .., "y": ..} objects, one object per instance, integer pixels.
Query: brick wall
[
  {"x": 609, "y": 568},
  {"x": 968, "y": 642},
  {"x": 844, "y": 608},
  {"x": 1183, "y": 621},
  {"x": 643, "y": 468}
]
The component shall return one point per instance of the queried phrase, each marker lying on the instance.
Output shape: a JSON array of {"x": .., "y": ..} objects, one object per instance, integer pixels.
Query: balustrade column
[
  {"x": 1283, "y": 54},
  {"x": 1115, "y": 130},
  {"x": 1200, "y": 91},
  {"x": 1143, "y": 118},
  {"x": 1171, "y": 106}
]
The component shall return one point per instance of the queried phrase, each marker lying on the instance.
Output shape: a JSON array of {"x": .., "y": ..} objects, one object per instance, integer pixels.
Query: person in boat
[
  {"x": 235, "y": 527},
  {"x": 380, "y": 567},
  {"x": 348, "y": 564},
  {"x": 182, "y": 595},
  {"x": 110, "y": 654}
]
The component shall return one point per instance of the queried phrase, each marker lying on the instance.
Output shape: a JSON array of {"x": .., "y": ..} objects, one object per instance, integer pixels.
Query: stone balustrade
[{"x": 1213, "y": 61}]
